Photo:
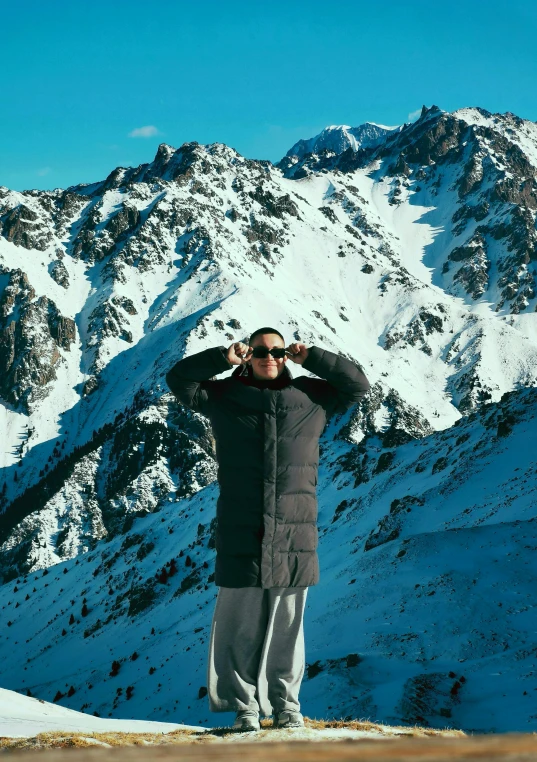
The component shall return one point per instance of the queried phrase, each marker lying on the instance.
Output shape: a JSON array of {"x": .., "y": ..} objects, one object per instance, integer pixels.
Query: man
[{"x": 266, "y": 426}]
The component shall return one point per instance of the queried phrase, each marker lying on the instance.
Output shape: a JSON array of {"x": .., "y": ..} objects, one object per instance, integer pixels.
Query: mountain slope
[{"x": 424, "y": 613}]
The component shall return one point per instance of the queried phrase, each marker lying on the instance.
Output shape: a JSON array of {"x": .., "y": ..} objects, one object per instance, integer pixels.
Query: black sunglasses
[{"x": 260, "y": 352}]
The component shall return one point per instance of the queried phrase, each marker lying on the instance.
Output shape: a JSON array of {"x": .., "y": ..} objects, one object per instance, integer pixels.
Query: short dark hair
[{"x": 266, "y": 329}]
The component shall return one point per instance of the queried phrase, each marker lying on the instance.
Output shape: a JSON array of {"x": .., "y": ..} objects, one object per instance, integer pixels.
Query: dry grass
[
  {"x": 59, "y": 739},
  {"x": 375, "y": 727},
  {"x": 63, "y": 740}
]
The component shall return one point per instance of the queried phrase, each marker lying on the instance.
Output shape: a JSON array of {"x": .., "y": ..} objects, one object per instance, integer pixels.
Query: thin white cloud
[
  {"x": 144, "y": 132},
  {"x": 414, "y": 115},
  {"x": 43, "y": 171}
]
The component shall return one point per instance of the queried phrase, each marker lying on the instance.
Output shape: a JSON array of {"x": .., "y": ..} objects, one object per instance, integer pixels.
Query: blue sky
[{"x": 81, "y": 80}]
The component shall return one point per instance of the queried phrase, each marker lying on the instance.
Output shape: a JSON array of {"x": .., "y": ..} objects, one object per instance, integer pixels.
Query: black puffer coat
[{"x": 268, "y": 454}]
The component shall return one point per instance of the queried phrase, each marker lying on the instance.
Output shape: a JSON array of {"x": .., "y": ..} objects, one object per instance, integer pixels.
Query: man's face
[{"x": 267, "y": 367}]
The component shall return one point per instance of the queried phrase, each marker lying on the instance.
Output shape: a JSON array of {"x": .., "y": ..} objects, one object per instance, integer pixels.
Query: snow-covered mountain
[
  {"x": 25, "y": 717},
  {"x": 416, "y": 257},
  {"x": 336, "y": 139}
]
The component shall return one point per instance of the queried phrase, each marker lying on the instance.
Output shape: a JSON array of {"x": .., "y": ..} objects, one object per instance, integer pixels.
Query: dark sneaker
[
  {"x": 288, "y": 718},
  {"x": 247, "y": 719}
]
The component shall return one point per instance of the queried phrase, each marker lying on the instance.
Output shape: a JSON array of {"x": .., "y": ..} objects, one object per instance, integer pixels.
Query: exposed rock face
[
  {"x": 104, "y": 321},
  {"x": 95, "y": 240},
  {"x": 22, "y": 227},
  {"x": 473, "y": 275},
  {"x": 58, "y": 272},
  {"x": 125, "y": 303},
  {"x": 402, "y": 423},
  {"x": 31, "y": 333},
  {"x": 389, "y": 527},
  {"x": 65, "y": 207},
  {"x": 428, "y": 322},
  {"x": 125, "y": 221},
  {"x": 274, "y": 207},
  {"x": 466, "y": 212}
]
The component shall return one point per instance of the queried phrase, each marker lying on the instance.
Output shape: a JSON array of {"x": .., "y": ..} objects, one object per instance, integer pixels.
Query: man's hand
[
  {"x": 297, "y": 352},
  {"x": 238, "y": 353}
]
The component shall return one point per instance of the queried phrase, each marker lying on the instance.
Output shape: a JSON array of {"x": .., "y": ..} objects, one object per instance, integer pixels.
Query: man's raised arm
[
  {"x": 346, "y": 381},
  {"x": 186, "y": 377}
]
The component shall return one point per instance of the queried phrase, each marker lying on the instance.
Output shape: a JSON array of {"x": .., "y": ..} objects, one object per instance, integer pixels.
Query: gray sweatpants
[{"x": 256, "y": 651}]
